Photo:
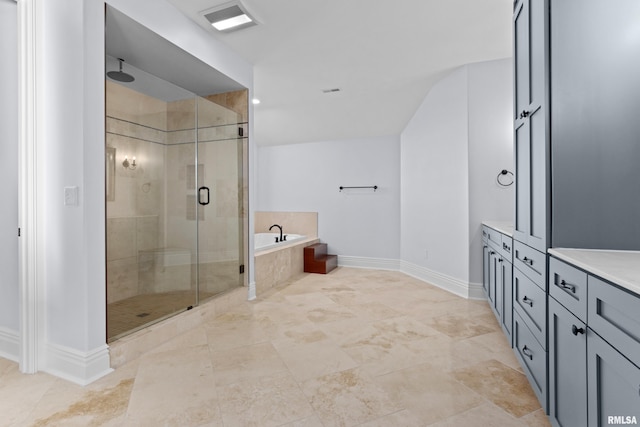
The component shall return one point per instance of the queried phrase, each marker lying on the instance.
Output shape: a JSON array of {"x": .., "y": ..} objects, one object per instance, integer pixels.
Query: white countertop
[
  {"x": 504, "y": 227},
  {"x": 619, "y": 267}
]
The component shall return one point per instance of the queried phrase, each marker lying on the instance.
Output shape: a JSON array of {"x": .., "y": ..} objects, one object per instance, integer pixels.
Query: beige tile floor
[{"x": 351, "y": 348}]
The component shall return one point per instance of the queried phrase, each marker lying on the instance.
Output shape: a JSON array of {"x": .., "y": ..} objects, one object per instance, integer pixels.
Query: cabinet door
[
  {"x": 499, "y": 287},
  {"x": 532, "y": 357},
  {"x": 507, "y": 299},
  {"x": 485, "y": 269},
  {"x": 521, "y": 55},
  {"x": 530, "y": 120},
  {"x": 493, "y": 272},
  {"x": 613, "y": 385},
  {"x": 522, "y": 153},
  {"x": 567, "y": 367}
]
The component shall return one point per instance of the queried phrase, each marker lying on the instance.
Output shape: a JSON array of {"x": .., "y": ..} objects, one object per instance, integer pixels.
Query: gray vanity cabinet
[
  {"x": 531, "y": 133},
  {"x": 494, "y": 272},
  {"x": 614, "y": 364},
  {"x": 567, "y": 367},
  {"x": 594, "y": 350},
  {"x": 498, "y": 276},
  {"x": 614, "y": 385},
  {"x": 506, "y": 310},
  {"x": 485, "y": 268}
]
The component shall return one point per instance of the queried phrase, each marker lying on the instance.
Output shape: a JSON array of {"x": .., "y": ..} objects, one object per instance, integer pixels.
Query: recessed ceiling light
[
  {"x": 255, "y": 101},
  {"x": 229, "y": 17}
]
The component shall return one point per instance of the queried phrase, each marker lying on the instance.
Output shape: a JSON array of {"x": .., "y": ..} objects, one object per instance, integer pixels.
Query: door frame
[{"x": 30, "y": 264}]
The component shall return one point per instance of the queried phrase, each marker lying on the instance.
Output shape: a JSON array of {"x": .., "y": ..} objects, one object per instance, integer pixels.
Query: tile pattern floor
[{"x": 351, "y": 348}]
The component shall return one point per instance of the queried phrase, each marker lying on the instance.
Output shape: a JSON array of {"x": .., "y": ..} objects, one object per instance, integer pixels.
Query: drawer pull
[
  {"x": 527, "y": 300},
  {"x": 575, "y": 330},
  {"x": 492, "y": 253},
  {"x": 527, "y": 260},
  {"x": 565, "y": 285},
  {"x": 527, "y": 352}
]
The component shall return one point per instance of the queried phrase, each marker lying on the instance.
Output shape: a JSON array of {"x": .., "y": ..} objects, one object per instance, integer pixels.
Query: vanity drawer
[
  {"x": 568, "y": 286},
  {"x": 532, "y": 356},
  {"x": 485, "y": 234},
  {"x": 614, "y": 314},
  {"x": 494, "y": 236},
  {"x": 531, "y": 262},
  {"x": 531, "y": 303},
  {"x": 506, "y": 248}
]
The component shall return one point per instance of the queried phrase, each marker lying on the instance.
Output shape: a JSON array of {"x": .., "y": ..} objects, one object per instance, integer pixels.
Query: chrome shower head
[{"x": 120, "y": 76}]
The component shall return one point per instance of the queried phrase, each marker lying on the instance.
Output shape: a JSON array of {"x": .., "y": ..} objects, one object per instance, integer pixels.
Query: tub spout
[{"x": 280, "y": 227}]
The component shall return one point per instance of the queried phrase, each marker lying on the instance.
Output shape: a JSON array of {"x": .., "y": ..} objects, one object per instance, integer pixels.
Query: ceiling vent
[{"x": 229, "y": 17}]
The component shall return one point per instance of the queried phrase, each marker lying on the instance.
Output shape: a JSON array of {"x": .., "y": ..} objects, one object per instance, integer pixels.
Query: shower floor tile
[{"x": 131, "y": 314}]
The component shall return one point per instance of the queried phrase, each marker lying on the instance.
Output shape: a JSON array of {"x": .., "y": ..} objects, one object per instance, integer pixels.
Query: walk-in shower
[{"x": 175, "y": 181}]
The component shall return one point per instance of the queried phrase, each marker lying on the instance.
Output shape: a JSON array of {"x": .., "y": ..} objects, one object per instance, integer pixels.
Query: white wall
[
  {"x": 70, "y": 149},
  {"x": 448, "y": 158},
  {"x": 306, "y": 177},
  {"x": 452, "y": 150},
  {"x": 435, "y": 204},
  {"x": 71, "y": 154},
  {"x": 490, "y": 151},
  {"x": 9, "y": 302}
]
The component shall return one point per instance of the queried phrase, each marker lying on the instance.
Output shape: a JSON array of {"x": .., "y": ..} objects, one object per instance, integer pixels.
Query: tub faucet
[{"x": 280, "y": 227}]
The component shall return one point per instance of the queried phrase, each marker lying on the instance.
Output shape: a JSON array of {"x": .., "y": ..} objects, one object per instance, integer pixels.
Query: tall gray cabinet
[
  {"x": 531, "y": 116},
  {"x": 532, "y": 166},
  {"x": 577, "y": 151}
]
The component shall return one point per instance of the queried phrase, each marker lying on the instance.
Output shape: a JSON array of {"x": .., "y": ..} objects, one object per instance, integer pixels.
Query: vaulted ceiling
[{"x": 383, "y": 55}]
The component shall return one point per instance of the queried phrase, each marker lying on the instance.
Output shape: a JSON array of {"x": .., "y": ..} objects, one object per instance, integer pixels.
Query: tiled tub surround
[
  {"x": 305, "y": 223},
  {"x": 277, "y": 265}
]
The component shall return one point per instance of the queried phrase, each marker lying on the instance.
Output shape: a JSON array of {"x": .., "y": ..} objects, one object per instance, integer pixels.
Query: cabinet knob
[
  {"x": 575, "y": 330},
  {"x": 524, "y": 114},
  {"x": 492, "y": 253},
  {"x": 527, "y": 352}
]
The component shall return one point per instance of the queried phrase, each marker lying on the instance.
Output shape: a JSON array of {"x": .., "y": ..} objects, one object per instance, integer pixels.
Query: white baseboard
[
  {"x": 455, "y": 286},
  {"x": 9, "y": 344},
  {"x": 76, "y": 366},
  {"x": 373, "y": 263},
  {"x": 252, "y": 291},
  {"x": 476, "y": 291}
]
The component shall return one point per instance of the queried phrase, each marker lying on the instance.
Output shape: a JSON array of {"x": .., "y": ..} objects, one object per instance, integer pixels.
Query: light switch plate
[{"x": 71, "y": 196}]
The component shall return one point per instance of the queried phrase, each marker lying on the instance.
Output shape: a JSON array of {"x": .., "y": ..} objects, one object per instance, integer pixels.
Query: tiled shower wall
[{"x": 150, "y": 221}]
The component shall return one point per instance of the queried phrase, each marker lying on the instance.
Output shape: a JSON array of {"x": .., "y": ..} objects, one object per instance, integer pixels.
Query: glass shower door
[
  {"x": 151, "y": 227},
  {"x": 220, "y": 239}
]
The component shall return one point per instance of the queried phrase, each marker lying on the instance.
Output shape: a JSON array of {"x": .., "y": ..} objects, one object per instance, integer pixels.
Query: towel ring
[{"x": 504, "y": 182}]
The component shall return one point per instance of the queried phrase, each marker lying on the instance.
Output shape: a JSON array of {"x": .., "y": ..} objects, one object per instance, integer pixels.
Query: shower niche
[{"x": 176, "y": 152}]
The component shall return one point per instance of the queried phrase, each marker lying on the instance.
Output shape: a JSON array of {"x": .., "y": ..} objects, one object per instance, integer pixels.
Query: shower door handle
[{"x": 200, "y": 199}]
